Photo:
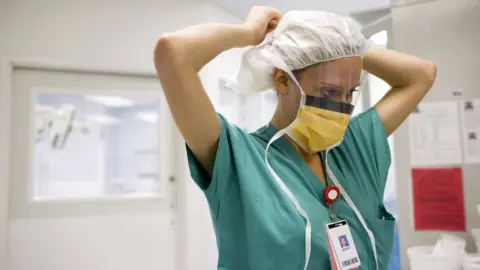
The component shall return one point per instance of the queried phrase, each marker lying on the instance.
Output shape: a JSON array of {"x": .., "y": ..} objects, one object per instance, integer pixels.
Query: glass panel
[
  {"x": 377, "y": 89},
  {"x": 378, "y": 40},
  {"x": 90, "y": 146}
]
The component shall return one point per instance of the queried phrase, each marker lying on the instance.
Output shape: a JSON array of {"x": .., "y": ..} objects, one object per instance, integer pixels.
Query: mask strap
[
  {"x": 281, "y": 65},
  {"x": 354, "y": 208},
  {"x": 285, "y": 189}
]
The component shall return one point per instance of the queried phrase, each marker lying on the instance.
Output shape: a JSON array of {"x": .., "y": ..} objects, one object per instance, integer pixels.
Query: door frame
[{"x": 8, "y": 65}]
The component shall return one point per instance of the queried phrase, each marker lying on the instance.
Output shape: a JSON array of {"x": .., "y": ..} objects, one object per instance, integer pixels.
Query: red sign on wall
[{"x": 438, "y": 202}]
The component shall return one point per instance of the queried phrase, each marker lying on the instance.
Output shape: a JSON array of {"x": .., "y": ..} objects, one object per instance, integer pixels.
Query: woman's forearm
[
  {"x": 398, "y": 69},
  {"x": 410, "y": 77},
  {"x": 197, "y": 45}
]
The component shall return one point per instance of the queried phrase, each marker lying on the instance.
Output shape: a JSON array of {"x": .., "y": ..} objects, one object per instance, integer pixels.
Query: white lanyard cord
[
  {"x": 354, "y": 208},
  {"x": 303, "y": 213},
  {"x": 289, "y": 194},
  {"x": 286, "y": 191}
]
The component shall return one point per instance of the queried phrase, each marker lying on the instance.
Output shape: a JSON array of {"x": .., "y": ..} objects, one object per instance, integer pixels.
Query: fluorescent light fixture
[
  {"x": 112, "y": 101},
  {"x": 380, "y": 38},
  {"x": 103, "y": 119},
  {"x": 149, "y": 117}
]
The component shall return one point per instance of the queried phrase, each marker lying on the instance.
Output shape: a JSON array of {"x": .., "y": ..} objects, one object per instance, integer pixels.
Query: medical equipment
[{"x": 56, "y": 124}]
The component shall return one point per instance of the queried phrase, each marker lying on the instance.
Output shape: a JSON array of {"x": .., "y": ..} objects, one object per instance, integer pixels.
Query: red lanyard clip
[{"x": 331, "y": 194}]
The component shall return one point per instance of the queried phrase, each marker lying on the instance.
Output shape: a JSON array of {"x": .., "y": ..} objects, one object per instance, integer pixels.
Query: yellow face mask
[{"x": 320, "y": 124}]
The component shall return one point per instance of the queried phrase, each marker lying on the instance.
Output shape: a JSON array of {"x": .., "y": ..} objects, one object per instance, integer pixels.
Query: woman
[{"x": 258, "y": 224}]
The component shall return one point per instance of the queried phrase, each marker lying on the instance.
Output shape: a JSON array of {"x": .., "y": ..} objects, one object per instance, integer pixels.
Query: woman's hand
[{"x": 261, "y": 21}]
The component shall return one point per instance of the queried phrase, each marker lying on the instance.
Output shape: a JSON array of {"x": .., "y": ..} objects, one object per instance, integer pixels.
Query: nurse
[{"x": 278, "y": 196}]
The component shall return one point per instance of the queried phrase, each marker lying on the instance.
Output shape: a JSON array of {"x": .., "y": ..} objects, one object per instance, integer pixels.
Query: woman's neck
[{"x": 280, "y": 120}]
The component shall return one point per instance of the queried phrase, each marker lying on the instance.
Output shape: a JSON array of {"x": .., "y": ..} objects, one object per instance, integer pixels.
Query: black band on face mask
[{"x": 328, "y": 104}]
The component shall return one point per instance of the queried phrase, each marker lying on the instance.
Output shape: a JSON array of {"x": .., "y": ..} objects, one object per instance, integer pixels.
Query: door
[{"x": 89, "y": 175}]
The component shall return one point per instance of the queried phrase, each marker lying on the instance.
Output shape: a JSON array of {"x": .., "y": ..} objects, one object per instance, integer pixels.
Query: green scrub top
[{"x": 256, "y": 225}]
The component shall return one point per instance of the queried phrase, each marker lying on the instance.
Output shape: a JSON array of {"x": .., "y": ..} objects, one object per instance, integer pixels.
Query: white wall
[
  {"x": 93, "y": 239},
  {"x": 447, "y": 33},
  {"x": 108, "y": 34},
  {"x": 340, "y": 6}
]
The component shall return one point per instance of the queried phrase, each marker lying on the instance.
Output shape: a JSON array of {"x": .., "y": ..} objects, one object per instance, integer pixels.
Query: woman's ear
[{"x": 280, "y": 80}]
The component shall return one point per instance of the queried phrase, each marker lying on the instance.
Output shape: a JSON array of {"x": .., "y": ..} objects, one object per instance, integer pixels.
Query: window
[
  {"x": 91, "y": 146},
  {"x": 378, "y": 88}
]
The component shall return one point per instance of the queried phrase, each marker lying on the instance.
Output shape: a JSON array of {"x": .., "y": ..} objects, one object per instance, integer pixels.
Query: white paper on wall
[
  {"x": 470, "y": 113},
  {"x": 435, "y": 134}
]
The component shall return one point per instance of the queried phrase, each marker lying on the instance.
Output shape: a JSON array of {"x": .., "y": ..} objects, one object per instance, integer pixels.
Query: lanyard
[
  {"x": 354, "y": 208},
  {"x": 331, "y": 195}
]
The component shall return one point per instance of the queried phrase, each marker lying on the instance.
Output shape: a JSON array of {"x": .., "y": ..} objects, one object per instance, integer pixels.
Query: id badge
[{"x": 342, "y": 250}]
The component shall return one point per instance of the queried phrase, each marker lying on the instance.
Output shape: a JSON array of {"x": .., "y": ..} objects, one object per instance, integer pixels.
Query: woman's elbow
[
  {"x": 428, "y": 74},
  {"x": 166, "y": 53}
]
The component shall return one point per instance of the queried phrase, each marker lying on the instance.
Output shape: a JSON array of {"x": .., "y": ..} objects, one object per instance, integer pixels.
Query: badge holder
[{"x": 341, "y": 248}]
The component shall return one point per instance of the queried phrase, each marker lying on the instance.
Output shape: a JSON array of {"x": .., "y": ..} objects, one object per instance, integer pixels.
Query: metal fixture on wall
[{"x": 56, "y": 124}]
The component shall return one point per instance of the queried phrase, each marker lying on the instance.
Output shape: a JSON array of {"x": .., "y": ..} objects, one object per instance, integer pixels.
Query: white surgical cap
[{"x": 301, "y": 39}]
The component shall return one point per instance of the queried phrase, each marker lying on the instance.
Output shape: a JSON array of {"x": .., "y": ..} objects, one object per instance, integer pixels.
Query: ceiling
[{"x": 240, "y": 8}]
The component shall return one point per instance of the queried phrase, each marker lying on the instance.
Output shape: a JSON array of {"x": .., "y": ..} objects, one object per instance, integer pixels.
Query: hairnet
[{"x": 301, "y": 39}]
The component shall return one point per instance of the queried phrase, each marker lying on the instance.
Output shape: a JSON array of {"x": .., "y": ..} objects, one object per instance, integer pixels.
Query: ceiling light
[
  {"x": 112, "y": 101},
  {"x": 149, "y": 117},
  {"x": 103, "y": 119}
]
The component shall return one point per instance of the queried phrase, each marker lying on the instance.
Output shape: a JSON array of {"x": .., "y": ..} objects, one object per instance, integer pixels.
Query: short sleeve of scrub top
[
  {"x": 231, "y": 138},
  {"x": 258, "y": 227},
  {"x": 366, "y": 134}
]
